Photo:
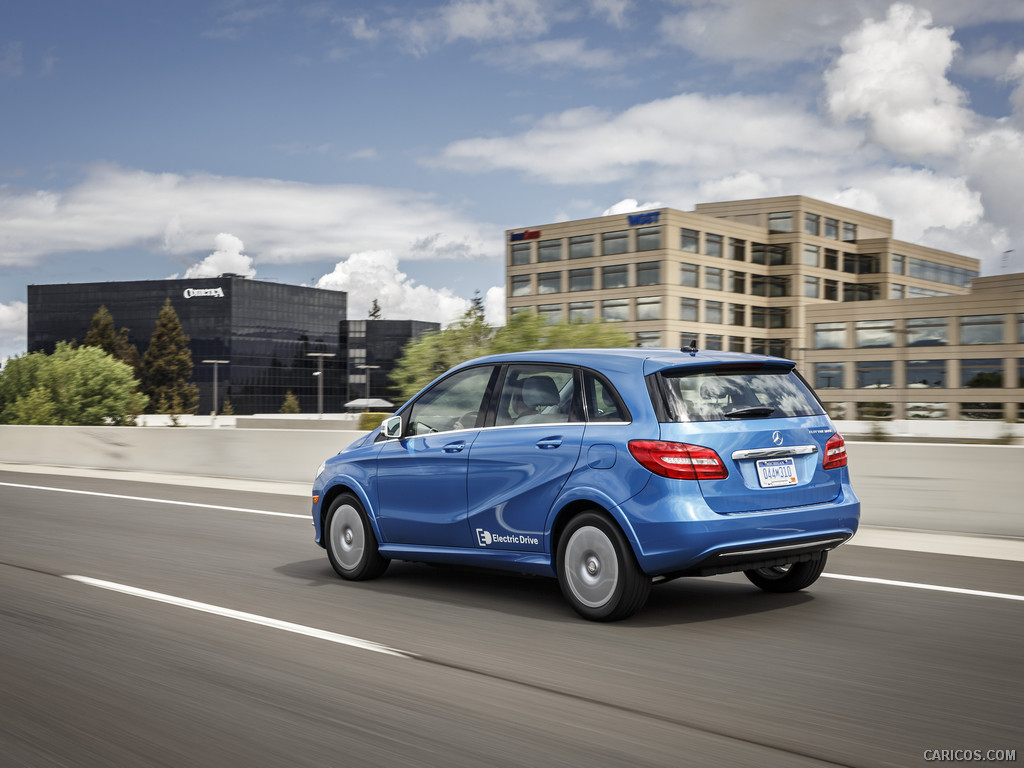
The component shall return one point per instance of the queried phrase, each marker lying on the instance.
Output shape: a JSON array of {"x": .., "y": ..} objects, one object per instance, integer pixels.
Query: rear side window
[{"x": 727, "y": 394}]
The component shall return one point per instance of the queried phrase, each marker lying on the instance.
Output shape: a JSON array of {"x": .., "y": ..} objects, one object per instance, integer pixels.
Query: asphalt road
[{"x": 455, "y": 667}]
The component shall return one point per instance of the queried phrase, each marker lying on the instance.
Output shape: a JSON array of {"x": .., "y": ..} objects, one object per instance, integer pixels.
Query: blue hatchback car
[{"x": 608, "y": 469}]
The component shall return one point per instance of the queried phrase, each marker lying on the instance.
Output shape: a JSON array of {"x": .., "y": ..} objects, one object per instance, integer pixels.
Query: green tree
[
  {"x": 227, "y": 409},
  {"x": 167, "y": 367},
  {"x": 375, "y": 310},
  {"x": 101, "y": 334},
  {"x": 73, "y": 386},
  {"x": 290, "y": 404},
  {"x": 423, "y": 359}
]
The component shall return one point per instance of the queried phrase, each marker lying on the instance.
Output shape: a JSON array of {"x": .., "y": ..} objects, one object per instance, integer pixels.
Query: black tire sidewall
[{"x": 370, "y": 555}]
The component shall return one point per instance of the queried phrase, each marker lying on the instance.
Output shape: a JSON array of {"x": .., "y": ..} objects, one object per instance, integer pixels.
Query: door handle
[
  {"x": 550, "y": 442},
  {"x": 455, "y": 447}
]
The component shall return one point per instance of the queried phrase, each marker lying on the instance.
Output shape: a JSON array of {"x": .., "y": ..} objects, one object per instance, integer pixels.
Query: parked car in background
[{"x": 610, "y": 470}]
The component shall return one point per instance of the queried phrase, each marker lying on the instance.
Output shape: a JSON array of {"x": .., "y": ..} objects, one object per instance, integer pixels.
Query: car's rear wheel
[
  {"x": 788, "y": 578},
  {"x": 597, "y": 570},
  {"x": 351, "y": 545}
]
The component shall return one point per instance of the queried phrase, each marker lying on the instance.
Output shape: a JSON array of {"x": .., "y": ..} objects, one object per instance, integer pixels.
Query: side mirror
[{"x": 392, "y": 427}]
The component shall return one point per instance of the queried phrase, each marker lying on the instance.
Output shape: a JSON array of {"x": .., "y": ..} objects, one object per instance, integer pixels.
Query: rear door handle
[
  {"x": 455, "y": 447},
  {"x": 550, "y": 442}
]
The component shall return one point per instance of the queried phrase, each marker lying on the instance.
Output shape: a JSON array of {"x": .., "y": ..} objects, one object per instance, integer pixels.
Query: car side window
[
  {"x": 536, "y": 394},
  {"x": 454, "y": 403},
  {"x": 604, "y": 402}
]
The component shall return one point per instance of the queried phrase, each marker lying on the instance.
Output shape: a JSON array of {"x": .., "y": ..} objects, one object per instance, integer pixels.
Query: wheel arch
[
  {"x": 345, "y": 485},
  {"x": 576, "y": 506}
]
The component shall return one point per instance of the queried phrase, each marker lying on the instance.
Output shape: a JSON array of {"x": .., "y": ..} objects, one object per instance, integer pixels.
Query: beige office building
[{"x": 763, "y": 276}]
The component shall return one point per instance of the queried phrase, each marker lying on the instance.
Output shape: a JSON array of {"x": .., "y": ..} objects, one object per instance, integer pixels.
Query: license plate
[{"x": 772, "y": 473}]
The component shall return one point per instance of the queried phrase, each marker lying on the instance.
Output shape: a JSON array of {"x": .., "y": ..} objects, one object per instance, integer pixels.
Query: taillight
[
  {"x": 679, "y": 461},
  {"x": 835, "y": 452}
]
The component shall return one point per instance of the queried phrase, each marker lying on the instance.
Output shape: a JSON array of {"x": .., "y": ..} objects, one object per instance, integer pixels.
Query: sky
[{"x": 383, "y": 147}]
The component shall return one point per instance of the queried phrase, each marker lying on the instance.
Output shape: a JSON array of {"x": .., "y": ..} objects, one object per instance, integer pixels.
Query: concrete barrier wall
[{"x": 967, "y": 488}]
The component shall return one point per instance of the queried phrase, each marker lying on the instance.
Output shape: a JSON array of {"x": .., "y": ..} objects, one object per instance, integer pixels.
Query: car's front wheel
[
  {"x": 351, "y": 544},
  {"x": 597, "y": 570},
  {"x": 788, "y": 578}
]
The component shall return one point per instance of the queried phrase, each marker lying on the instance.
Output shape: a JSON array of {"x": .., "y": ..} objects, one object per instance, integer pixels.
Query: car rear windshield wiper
[{"x": 757, "y": 410}]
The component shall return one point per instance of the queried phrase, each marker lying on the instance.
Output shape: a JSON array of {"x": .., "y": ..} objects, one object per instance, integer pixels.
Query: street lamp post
[
  {"x": 368, "y": 368},
  {"x": 320, "y": 379},
  {"x": 215, "y": 364}
]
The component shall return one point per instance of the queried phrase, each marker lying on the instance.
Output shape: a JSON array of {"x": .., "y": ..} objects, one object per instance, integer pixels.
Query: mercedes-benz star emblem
[{"x": 776, "y": 438}]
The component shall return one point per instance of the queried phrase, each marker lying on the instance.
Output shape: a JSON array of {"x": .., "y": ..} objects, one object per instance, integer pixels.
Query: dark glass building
[
  {"x": 266, "y": 331},
  {"x": 374, "y": 348}
]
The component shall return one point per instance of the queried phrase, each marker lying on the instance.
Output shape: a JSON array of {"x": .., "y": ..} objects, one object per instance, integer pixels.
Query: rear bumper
[{"x": 678, "y": 535}]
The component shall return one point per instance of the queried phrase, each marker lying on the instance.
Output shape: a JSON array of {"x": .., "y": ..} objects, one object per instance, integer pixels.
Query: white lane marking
[
  {"x": 252, "y": 618},
  {"x": 932, "y": 587},
  {"x": 156, "y": 501}
]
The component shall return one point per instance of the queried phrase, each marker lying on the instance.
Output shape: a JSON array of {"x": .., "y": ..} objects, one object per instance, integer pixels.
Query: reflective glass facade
[{"x": 266, "y": 331}]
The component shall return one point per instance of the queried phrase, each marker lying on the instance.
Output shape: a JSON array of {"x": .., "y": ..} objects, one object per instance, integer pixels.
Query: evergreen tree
[
  {"x": 167, "y": 367},
  {"x": 227, "y": 409},
  {"x": 127, "y": 352},
  {"x": 101, "y": 332},
  {"x": 290, "y": 404},
  {"x": 375, "y": 310}
]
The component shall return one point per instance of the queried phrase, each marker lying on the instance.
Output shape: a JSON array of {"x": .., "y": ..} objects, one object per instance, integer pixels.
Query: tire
[
  {"x": 597, "y": 570},
  {"x": 351, "y": 544},
  {"x": 788, "y": 578}
]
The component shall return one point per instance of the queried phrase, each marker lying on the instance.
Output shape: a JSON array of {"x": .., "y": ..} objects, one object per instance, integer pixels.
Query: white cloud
[
  {"x": 373, "y": 275},
  {"x": 280, "y": 221},
  {"x": 561, "y": 53},
  {"x": 226, "y": 259},
  {"x": 474, "y": 20},
  {"x": 892, "y": 73},
  {"x": 629, "y": 205},
  {"x": 13, "y": 328},
  {"x": 1015, "y": 73},
  {"x": 615, "y": 12}
]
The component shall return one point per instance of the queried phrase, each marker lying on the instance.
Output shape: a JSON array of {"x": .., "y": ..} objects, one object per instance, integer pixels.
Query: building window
[
  {"x": 1020, "y": 376},
  {"x": 737, "y": 281},
  {"x": 832, "y": 228},
  {"x": 981, "y": 374},
  {"x": 981, "y": 329},
  {"x": 831, "y": 290},
  {"x": 926, "y": 374},
  {"x": 581, "y": 312},
  {"x": 772, "y": 255},
  {"x": 520, "y": 254},
  {"x": 939, "y": 273},
  {"x": 517, "y": 310},
  {"x": 778, "y": 317},
  {"x": 737, "y": 314},
  {"x": 759, "y": 317},
  {"x": 581, "y": 247},
  {"x": 648, "y": 308},
  {"x": 872, "y": 374},
  {"x": 549, "y": 282},
  {"x": 549, "y": 250},
  {"x": 861, "y": 263},
  {"x": 861, "y": 291},
  {"x": 829, "y": 335},
  {"x": 581, "y": 279},
  {"x": 521, "y": 285},
  {"x": 688, "y": 275},
  {"x": 831, "y": 259},
  {"x": 712, "y": 278},
  {"x": 648, "y": 339},
  {"x": 614, "y": 242},
  {"x": 648, "y": 273},
  {"x": 927, "y": 332},
  {"x": 737, "y": 344},
  {"x": 713, "y": 341},
  {"x": 1020, "y": 329},
  {"x": 896, "y": 262},
  {"x": 811, "y": 254},
  {"x": 737, "y": 249},
  {"x": 690, "y": 240},
  {"x": 874, "y": 333},
  {"x": 916, "y": 292},
  {"x": 828, "y": 375},
  {"x": 812, "y": 224},
  {"x": 897, "y": 291},
  {"x": 811, "y": 287},
  {"x": 615, "y": 276},
  {"x": 713, "y": 312},
  {"x": 648, "y": 238},
  {"x": 849, "y": 232},
  {"x": 780, "y": 222},
  {"x": 771, "y": 347},
  {"x": 713, "y": 245},
  {"x": 688, "y": 310},
  {"x": 550, "y": 313},
  {"x": 615, "y": 310}
]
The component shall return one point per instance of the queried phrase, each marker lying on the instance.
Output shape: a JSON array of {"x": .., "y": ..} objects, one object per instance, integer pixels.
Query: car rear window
[{"x": 726, "y": 394}]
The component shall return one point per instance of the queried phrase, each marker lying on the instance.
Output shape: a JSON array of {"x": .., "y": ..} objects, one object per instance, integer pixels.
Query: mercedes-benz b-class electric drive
[{"x": 610, "y": 470}]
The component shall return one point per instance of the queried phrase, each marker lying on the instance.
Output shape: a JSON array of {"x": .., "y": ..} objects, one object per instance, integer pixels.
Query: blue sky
[{"x": 383, "y": 147}]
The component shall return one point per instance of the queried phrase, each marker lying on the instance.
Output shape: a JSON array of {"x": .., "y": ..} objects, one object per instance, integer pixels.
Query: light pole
[
  {"x": 215, "y": 364},
  {"x": 368, "y": 368},
  {"x": 320, "y": 378}
]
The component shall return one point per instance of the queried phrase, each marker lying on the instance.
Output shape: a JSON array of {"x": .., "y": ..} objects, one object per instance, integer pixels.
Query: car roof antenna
[{"x": 692, "y": 349}]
